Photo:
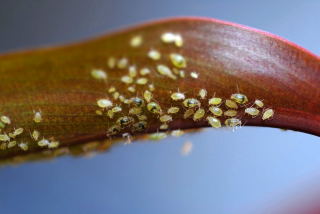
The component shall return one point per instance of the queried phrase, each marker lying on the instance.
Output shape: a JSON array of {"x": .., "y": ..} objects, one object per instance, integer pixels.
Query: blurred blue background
[{"x": 251, "y": 170}]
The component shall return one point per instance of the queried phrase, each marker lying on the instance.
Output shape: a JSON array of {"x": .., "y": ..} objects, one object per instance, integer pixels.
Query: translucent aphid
[
  {"x": 199, "y": 114},
  {"x": 157, "y": 136},
  {"x": 232, "y": 122},
  {"x": 16, "y": 132},
  {"x": 35, "y": 135},
  {"x": 231, "y": 104},
  {"x": 5, "y": 119},
  {"x": 165, "y": 71},
  {"x": 154, "y": 54},
  {"x": 203, "y": 93},
  {"x": 116, "y": 109},
  {"x": 132, "y": 89},
  {"x": 151, "y": 87},
  {"x": 124, "y": 121},
  {"x": 136, "y": 41},
  {"x": 2, "y": 125},
  {"x": 216, "y": 111},
  {"x": 177, "y": 133},
  {"x": 186, "y": 148},
  {"x": 188, "y": 113},
  {"x": 267, "y": 114},
  {"x": 163, "y": 126},
  {"x": 110, "y": 114},
  {"x": 132, "y": 71},
  {"x": 165, "y": 118},
  {"x": 43, "y": 142},
  {"x": 145, "y": 71},
  {"x": 104, "y": 103},
  {"x": 178, "y": 60},
  {"x": 23, "y": 146},
  {"x": 147, "y": 95},
  {"x": 139, "y": 126},
  {"x": 122, "y": 63},
  {"x": 259, "y": 103},
  {"x": 214, "y": 122},
  {"x": 191, "y": 102},
  {"x": 127, "y": 79},
  {"x": 99, "y": 74},
  {"x": 111, "y": 62},
  {"x": 230, "y": 113},
  {"x": 142, "y": 117},
  {"x": 252, "y": 111},
  {"x": 172, "y": 38},
  {"x": 194, "y": 75},
  {"x": 177, "y": 96},
  {"x": 12, "y": 144},
  {"x": 116, "y": 95},
  {"x": 182, "y": 74},
  {"x": 239, "y": 98},
  {"x": 113, "y": 130},
  {"x": 173, "y": 110},
  {"x": 4, "y": 137},
  {"x": 135, "y": 110},
  {"x": 214, "y": 101},
  {"x": 37, "y": 117},
  {"x": 111, "y": 89},
  {"x": 137, "y": 101},
  {"x": 154, "y": 108},
  {"x": 142, "y": 81},
  {"x": 53, "y": 144}
]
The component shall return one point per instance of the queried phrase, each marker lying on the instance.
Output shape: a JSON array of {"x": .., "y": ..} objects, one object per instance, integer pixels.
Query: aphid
[
  {"x": 154, "y": 108},
  {"x": 2, "y": 125},
  {"x": 147, "y": 95},
  {"x": 186, "y": 148},
  {"x": 178, "y": 60},
  {"x": 202, "y": 93},
  {"x": 214, "y": 101},
  {"x": 4, "y": 137},
  {"x": 122, "y": 63},
  {"x": 151, "y": 87},
  {"x": 37, "y": 118},
  {"x": 135, "y": 110},
  {"x": 188, "y": 113},
  {"x": 252, "y": 111},
  {"x": 191, "y": 102},
  {"x": 259, "y": 103},
  {"x": 116, "y": 109},
  {"x": 5, "y": 119},
  {"x": 142, "y": 117},
  {"x": 3, "y": 146},
  {"x": 216, "y": 111},
  {"x": 116, "y": 95},
  {"x": 113, "y": 130},
  {"x": 23, "y": 146},
  {"x": 18, "y": 131},
  {"x": 194, "y": 75},
  {"x": 132, "y": 89},
  {"x": 164, "y": 126},
  {"x": 110, "y": 114},
  {"x": 124, "y": 121},
  {"x": 157, "y": 136},
  {"x": 139, "y": 126},
  {"x": 230, "y": 113},
  {"x": 145, "y": 71},
  {"x": 172, "y": 38},
  {"x": 98, "y": 74},
  {"x": 165, "y": 118},
  {"x": 199, "y": 114},
  {"x": 99, "y": 112},
  {"x": 136, "y": 41},
  {"x": 12, "y": 144},
  {"x": 43, "y": 142},
  {"x": 165, "y": 71},
  {"x": 177, "y": 96},
  {"x": 214, "y": 122},
  {"x": 267, "y": 114},
  {"x": 127, "y": 79},
  {"x": 182, "y": 74},
  {"x": 154, "y": 54},
  {"x": 239, "y": 98},
  {"x": 111, "y": 62},
  {"x": 177, "y": 133},
  {"x": 142, "y": 81},
  {"x": 231, "y": 104},
  {"x": 173, "y": 110},
  {"x": 111, "y": 89},
  {"x": 232, "y": 122},
  {"x": 53, "y": 144},
  {"x": 104, "y": 103},
  {"x": 35, "y": 134},
  {"x": 132, "y": 71},
  {"x": 137, "y": 101}
]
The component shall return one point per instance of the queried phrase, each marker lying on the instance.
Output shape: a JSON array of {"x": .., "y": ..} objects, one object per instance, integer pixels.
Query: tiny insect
[
  {"x": 157, "y": 136},
  {"x": 188, "y": 113},
  {"x": 43, "y": 142},
  {"x": 132, "y": 71},
  {"x": 173, "y": 110},
  {"x": 177, "y": 133},
  {"x": 202, "y": 93},
  {"x": 142, "y": 81},
  {"x": 177, "y": 96},
  {"x": 142, "y": 117},
  {"x": 5, "y": 119},
  {"x": 232, "y": 122},
  {"x": 154, "y": 54},
  {"x": 239, "y": 98},
  {"x": 164, "y": 126},
  {"x": 24, "y": 146},
  {"x": 135, "y": 110},
  {"x": 113, "y": 130},
  {"x": 178, "y": 60},
  {"x": 111, "y": 62},
  {"x": 165, "y": 118},
  {"x": 124, "y": 121},
  {"x": 53, "y": 144},
  {"x": 145, "y": 71},
  {"x": 37, "y": 118},
  {"x": 165, "y": 71},
  {"x": 147, "y": 95},
  {"x": 104, "y": 103},
  {"x": 136, "y": 41},
  {"x": 194, "y": 75},
  {"x": 35, "y": 134},
  {"x": 154, "y": 108},
  {"x": 122, "y": 63},
  {"x": 215, "y": 101},
  {"x": 110, "y": 114},
  {"x": 4, "y": 137},
  {"x": 230, "y": 113},
  {"x": 191, "y": 102},
  {"x": 258, "y": 103},
  {"x": 18, "y": 131},
  {"x": 127, "y": 79},
  {"x": 252, "y": 111},
  {"x": 169, "y": 37},
  {"x": 231, "y": 104},
  {"x": 267, "y": 114},
  {"x": 137, "y": 101},
  {"x": 214, "y": 122},
  {"x": 99, "y": 74},
  {"x": 111, "y": 89},
  {"x": 12, "y": 144},
  {"x": 139, "y": 126},
  {"x": 216, "y": 111},
  {"x": 199, "y": 114}
]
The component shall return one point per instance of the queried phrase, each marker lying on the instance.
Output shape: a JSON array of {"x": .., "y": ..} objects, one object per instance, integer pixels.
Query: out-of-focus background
[{"x": 251, "y": 170}]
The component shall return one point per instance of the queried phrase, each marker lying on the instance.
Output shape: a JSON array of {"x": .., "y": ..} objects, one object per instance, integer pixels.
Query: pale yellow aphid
[
  {"x": 188, "y": 113},
  {"x": 154, "y": 54},
  {"x": 165, "y": 71},
  {"x": 132, "y": 89},
  {"x": 23, "y": 146},
  {"x": 199, "y": 114},
  {"x": 214, "y": 122},
  {"x": 186, "y": 148},
  {"x": 142, "y": 81},
  {"x": 168, "y": 37},
  {"x": 43, "y": 142},
  {"x": 216, "y": 111},
  {"x": 173, "y": 110},
  {"x": 137, "y": 101},
  {"x": 3, "y": 146},
  {"x": 99, "y": 112},
  {"x": 2, "y": 125},
  {"x": 230, "y": 113},
  {"x": 127, "y": 79},
  {"x": 203, "y": 93},
  {"x": 139, "y": 126},
  {"x": 151, "y": 87},
  {"x": 165, "y": 118},
  {"x": 116, "y": 95},
  {"x": 267, "y": 114},
  {"x": 104, "y": 103},
  {"x": 110, "y": 114},
  {"x": 145, "y": 71},
  {"x": 259, "y": 103},
  {"x": 154, "y": 108},
  {"x": 132, "y": 71},
  {"x": 5, "y": 119},
  {"x": 252, "y": 111},
  {"x": 113, "y": 130},
  {"x": 232, "y": 122},
  {"x": 135, "y": 110},
  {"x": 147, "y": 95},
  {"x": 112, "y": 62},
  {"x": 214, "y": 101},
  {"x": 191, "y": 102},
  {"x": 136, "y": 41},
  {"x": 182, "y": 74},
  {"x": 177, "y": 133},
  {"x": 164, "y": 126},
  {"x": 239, "y": 98},
  {"x": 116, "y": 109},
  {"x": 35, "y": 134},
  {"x": 178, "y": 96},
  {"x": 12, "y": 144},
  {"x": 142, "y": 117},
  {"x": 37, "y": 118},
  {"x": 122, "y": 63},
  {"x": 178, "y": 60},
  {"x": 124, "y": 121},
  {"x": 17, "y": 132},
  {"x": 194, "y": 75},
  {"x": 231, "y": 104},
  {"x": 99, "y": 74},
  {"x": 53, "y": 144},
  {"x": 111, "y": 89},
  {"x": 4, "y": 137},
  {"x": 157, "y": 136}
]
